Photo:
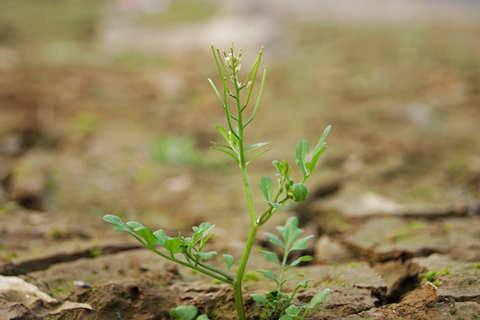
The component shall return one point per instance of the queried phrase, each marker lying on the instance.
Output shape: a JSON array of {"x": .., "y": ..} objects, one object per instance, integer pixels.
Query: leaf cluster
[
  {"x": 279, "y": 304},
  {"x": 189, "y": 248},
  {"x": 287, "y": 188},
  {"x": 236, "y": 98}
]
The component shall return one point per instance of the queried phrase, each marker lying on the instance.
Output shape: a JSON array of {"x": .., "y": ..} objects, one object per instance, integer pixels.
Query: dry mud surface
[{"x": 395, "y": 208}]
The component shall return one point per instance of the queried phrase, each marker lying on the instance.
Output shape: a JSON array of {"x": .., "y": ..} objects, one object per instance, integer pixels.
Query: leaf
[
  {"x": 318, "y": 298},
  {"x": 290, "y": 231},
  {"x": 271, "y": 256},
  {"x": 174, "y": 245},
  {"x": 202, "y": 317},
  {"x": 286, "y": 317},
  {"x": 299, "y": 192},
  {"x": 225, "y": 149},
  {"x": 147, "y": 235},
  {"x": 274, "y": 239},
  {"x": 300, "y": 260},
  {"x": 267, "y": 274},
  {"x": 300, "y": 155},
  {"x": 282, "y": 167},
  {"x": 301, "y": 244},
  {"x": 160, "y": 236},
  {"x": 118, "y": 224},
  {"x": 206, "y": 255},
  {"x": 134, "y": 224},
  {"x": 224, "y": 133},
  {"x": 293, "y": 310},
  {"x": 187, "y": 312},
  {"x": 266, "y": 185},
  {"x": 259, "y": 299},
  {"x": 228, "y": 260},
  {"x": 319, "y": 149},
  {"x": 256, "y": 146}
]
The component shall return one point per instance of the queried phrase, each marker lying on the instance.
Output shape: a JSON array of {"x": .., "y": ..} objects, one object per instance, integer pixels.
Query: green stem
[
  {"x": 252, "y": 233},
  {"x": 218, "y": 276},
  {"x": 237, "y": 286}
]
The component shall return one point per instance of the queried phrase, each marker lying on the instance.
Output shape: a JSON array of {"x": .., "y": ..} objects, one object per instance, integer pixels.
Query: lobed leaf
[
  {"x": 301, "y": 244},
  {"x": 319, "y": 149},
  {"x": 300, "y": 157},
  {"x": 266, "y": 185},
  {"x": 273, "y": 239},
  {"x": 271, "y": 256}
]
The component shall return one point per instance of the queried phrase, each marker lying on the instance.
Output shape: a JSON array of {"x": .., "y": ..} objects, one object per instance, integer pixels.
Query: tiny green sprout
[
  {"x": 279, "y": 303},
  {"x": 187, "y": 312},
  {"x": 240, "y": 95}
]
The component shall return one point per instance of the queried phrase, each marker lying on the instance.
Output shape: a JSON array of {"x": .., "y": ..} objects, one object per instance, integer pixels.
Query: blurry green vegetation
[
  {"x": 178, "y": 12},
  {"x": 36, "y": 21},
  {"x": 177, "y": 150}
]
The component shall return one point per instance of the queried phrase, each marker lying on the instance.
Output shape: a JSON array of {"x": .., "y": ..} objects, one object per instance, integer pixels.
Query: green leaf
[
  {"x": 300, "y": 260},
  {"x": 290, "y": 231},
  {"x": 225, "y": 149},
  {"x": 206, "y": 255},
  {"x": 174, "y": 245},
  {"x": 203, "y": 317},
  {"x": 256, "y": 146},
  {"x": 319, "y": 149},
  {"x": 273, "y": 239},
  {"x": 266, "y": 185},
  {"x": 228, "y": 260},
  {"x": 161, "y": 237},
  {"x": 187, "y": 312},
  {"x": 282, "y": 167},
  {"x": 299, "y": 192},
  {"x": 224, "y": 133},
  {"x": 134, "y": 224},
  {"x": 147, "y": 235},
  {"x": 300, "y": 155},
  {"x": 301, "y": 244},
  {"x": 259, "y": 299},
  {"x": 286, "y": 317},
  {"x": 271, "y": 256},
  {"x": 319, "y": 298},
  {"x": 267, "y": 274},
  {"x": 118, "y": 224},
  {"x": 293, "y": 310}
]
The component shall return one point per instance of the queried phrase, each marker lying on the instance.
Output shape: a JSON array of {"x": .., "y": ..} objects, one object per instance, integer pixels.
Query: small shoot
[{"x": 187, "y": 312}]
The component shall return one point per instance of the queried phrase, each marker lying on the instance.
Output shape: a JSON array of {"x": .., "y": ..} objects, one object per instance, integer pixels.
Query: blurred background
[{"x": 105, "y": 107}]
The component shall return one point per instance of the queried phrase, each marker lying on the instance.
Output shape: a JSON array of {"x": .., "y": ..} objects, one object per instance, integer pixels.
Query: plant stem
[
  {"x": 237, "y": 286},
  {"x": 217, "y": 275},
  {"x": 252, "y": 233}
]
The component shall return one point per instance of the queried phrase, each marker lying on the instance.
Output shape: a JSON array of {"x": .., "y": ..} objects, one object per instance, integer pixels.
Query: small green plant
[
  {"x": 187, "y": 312},
  {"x": 279, "y": 304},
  {"x": 240, "y": 107},
  {"x": 432, "y": 276}
]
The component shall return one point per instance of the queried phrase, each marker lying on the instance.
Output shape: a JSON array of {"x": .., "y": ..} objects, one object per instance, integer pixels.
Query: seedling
[
  {"x": 187, "y": 312},
  {"x": 240, "y": 107},
  {"x": 279, "y": 304}
]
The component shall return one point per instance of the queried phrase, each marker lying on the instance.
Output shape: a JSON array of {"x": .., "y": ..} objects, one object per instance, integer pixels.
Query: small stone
[{"x": 82, "y": 284}]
